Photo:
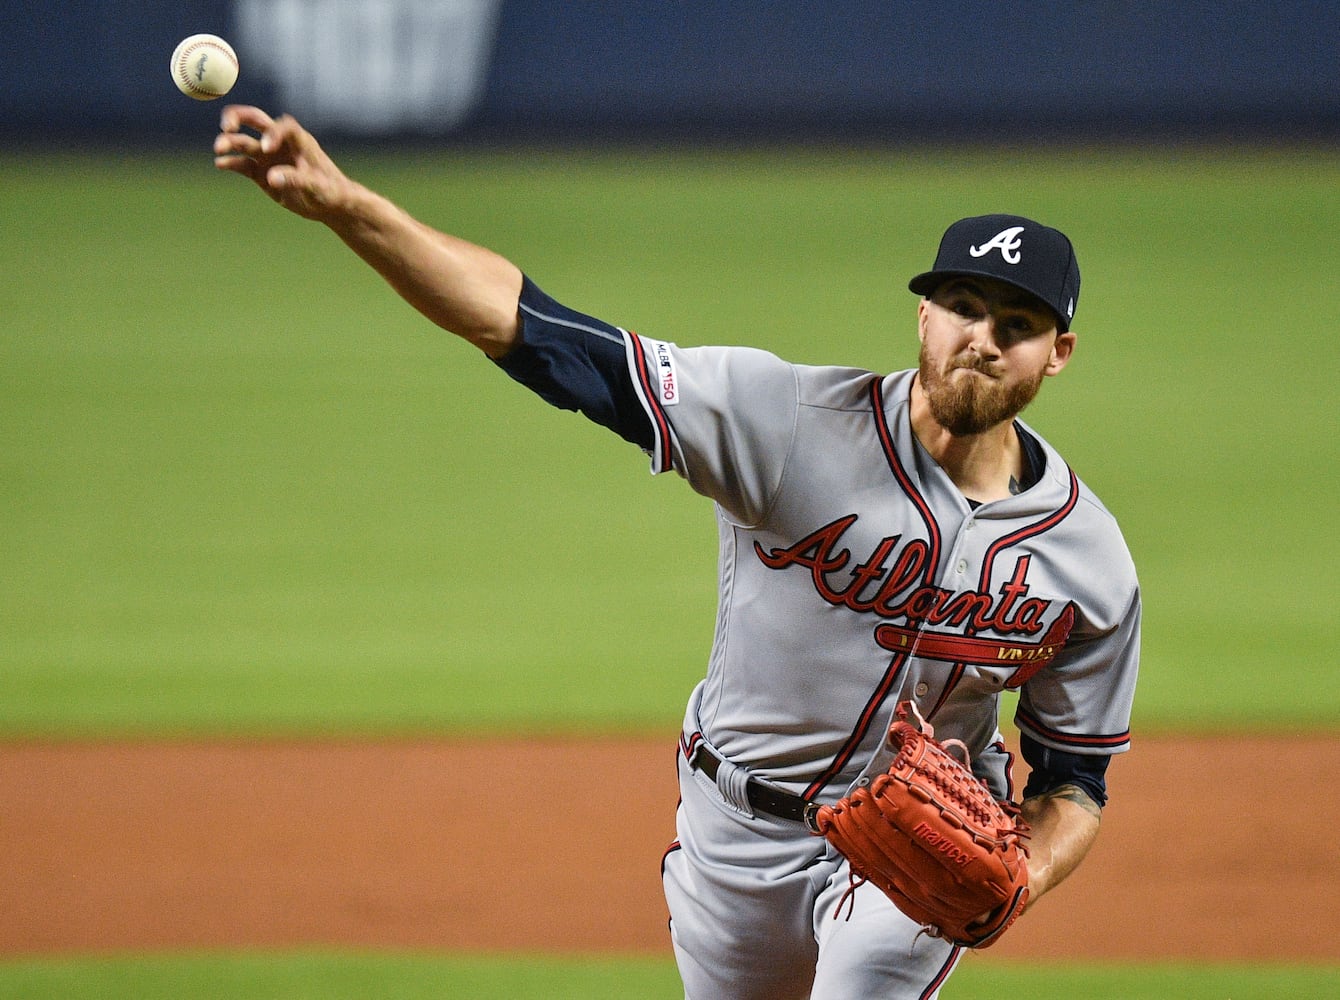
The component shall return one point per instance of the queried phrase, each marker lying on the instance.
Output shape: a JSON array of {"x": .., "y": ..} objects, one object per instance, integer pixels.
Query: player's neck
[{"x": 985, "y": 467}]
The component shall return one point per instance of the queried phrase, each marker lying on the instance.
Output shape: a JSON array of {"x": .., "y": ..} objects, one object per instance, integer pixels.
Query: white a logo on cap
[{"x": 1006, "y": 241}]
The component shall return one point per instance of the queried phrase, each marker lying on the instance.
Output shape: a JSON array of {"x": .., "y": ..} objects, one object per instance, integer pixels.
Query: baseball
[{"x": 204, "y": 67}]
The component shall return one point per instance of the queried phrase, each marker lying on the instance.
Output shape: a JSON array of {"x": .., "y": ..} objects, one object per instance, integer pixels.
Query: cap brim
[
  {"x": 925, "y": 283},
  {"x": 928, "y": 281}
]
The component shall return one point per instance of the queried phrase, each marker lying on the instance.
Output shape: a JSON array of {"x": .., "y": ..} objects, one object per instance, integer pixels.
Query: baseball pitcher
[{"x": 896, "y": 551}]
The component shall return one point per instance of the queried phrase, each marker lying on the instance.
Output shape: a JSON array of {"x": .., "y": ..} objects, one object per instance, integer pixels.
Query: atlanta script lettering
[
  {"x": 890, "y": 583},
  {"x": 893, "y": 583}
]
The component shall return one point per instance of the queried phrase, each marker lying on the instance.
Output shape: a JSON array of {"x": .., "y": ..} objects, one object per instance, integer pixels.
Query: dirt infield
[{"x": 555, "y": 846}]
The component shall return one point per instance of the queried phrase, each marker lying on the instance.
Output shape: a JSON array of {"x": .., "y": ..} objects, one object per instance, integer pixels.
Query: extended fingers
[
  {"x": 282, "y": 157},
  {"x": 238, "y": 116},
  {"x": 236, "y": 144},
  {"x": 243, "y": 165},
  {"x": 261, "y": 157},
  {"x": 285, "y": 139},
  {"x": 234, "y": 149},
  {"x": 238, "y": 152},
  {"x": 275, "y": 134}
]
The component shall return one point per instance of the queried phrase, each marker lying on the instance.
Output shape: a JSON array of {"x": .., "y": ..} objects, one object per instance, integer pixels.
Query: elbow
[{"x": 495, "y": 339}]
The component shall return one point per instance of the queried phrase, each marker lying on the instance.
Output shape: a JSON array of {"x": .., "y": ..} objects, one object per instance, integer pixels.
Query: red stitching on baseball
[{"x": 184, "y": 74}]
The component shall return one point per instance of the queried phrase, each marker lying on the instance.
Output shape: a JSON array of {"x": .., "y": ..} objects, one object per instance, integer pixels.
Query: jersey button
[
  {"x": 962, "y": 566},
  {"x": 921, "y": 689}
]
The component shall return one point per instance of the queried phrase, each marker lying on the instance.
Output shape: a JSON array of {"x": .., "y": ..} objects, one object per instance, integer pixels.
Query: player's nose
[{"x": 983, "y": 341}]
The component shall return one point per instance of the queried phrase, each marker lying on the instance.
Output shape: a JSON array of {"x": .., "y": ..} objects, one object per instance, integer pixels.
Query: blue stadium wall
[{"x": 743, "y": 70}]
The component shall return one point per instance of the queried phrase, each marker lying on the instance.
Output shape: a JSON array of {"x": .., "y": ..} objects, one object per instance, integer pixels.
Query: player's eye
[
  {"x": 966, "y": 308},
  {"x": 1017, "y": 326}
]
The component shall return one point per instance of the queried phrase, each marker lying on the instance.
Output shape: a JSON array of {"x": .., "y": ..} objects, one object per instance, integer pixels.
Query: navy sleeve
[
  {"x": 1053, "y": 768},
  {"x": 577, "y": 362}
]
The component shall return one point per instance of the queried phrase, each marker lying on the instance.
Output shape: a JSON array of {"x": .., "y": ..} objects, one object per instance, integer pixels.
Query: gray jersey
[{"x": 854, "y": 575}]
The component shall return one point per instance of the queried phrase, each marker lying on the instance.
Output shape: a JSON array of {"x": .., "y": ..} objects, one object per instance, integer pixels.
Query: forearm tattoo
[{"x": 1075, "y": 794}]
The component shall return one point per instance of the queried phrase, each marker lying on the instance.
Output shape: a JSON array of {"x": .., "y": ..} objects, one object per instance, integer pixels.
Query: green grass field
[
  {"x": 356, "y": 976},
  {"x": 246, "y": 489}
]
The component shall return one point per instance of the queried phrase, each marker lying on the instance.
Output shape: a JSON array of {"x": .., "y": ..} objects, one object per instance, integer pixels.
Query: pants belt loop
[
  {"x": 733, "y": 783},
  {"x": 748, "y": 795}
]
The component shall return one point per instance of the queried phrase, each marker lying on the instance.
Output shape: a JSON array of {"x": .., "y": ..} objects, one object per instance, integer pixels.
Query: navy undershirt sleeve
[
  {"x": 1054, "y": 768},
  {"x": 576, "y": 362}
]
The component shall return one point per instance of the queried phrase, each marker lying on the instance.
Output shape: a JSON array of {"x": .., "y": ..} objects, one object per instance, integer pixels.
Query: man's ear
[
  {"x": 923, "y": 314},
  {"x": 1062, "y": 351}
]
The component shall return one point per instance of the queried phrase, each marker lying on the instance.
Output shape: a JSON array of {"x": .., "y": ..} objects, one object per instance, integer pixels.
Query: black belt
[{"x": 762, "y": 798}]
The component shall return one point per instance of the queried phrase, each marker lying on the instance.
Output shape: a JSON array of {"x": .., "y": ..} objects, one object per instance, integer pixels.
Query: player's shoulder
[
  {"x": 723, "y": 367},
  {"x": 837, "y": 387},
  {"x": 1087, "y": 514},
  {"x": 823, "y": 386}
]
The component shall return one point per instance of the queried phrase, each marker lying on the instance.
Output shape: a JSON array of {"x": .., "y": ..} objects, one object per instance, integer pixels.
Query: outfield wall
[{"x": 464, "y": 70}]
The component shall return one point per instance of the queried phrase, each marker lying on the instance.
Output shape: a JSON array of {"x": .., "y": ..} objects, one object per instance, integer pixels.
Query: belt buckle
[{"x": 810, "y": 817}]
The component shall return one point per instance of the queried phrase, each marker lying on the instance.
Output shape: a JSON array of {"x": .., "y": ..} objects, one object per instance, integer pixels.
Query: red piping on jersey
[
  {"x": 1009, "y": 769},
  {"x": 890, "y": 678},
  {"x": 688, "y": 744},
  {"x": 659, "y": 421},
  {"x": 1101, "y": 742},
  {"x": 674, "y": 846},
  {"x": 886, "y": 684},
  {"x": 988, "y": 563},
  {"x": 1046, "y": 524},
  {"x": 955, "y": 675},
  {"x": 955, "y": 953},
  {"x": 904, "y": 480}
]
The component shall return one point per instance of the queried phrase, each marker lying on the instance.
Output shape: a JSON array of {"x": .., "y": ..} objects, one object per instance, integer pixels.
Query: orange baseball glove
[{"x": 932, "y": 836}]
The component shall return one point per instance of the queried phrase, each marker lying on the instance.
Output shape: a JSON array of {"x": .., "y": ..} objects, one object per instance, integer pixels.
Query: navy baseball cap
[{"x": 1019, "y": 251}]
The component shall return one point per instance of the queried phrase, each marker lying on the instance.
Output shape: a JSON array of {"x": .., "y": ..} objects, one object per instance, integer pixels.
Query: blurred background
[{"x": 490, "y": 70}]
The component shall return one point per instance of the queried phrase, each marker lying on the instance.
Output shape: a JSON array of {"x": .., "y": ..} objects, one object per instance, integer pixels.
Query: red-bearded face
[{"x": 985, "y": 349}]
